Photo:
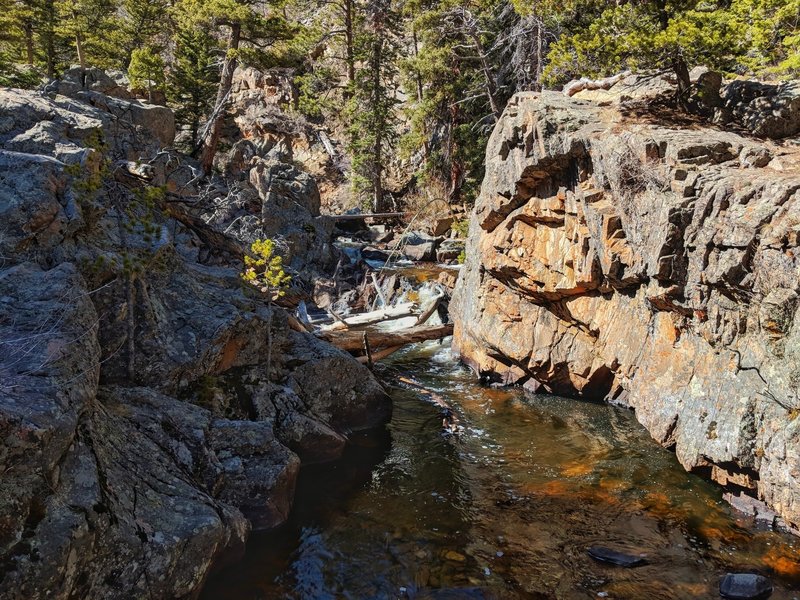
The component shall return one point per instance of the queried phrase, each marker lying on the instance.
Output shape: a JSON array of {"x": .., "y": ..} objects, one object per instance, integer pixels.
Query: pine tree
[
  {"x": 146, "y": 70},
  {"x": 459, "y": 75},
  {"x": 658, "y": 35},
  {"x": 245, "y": 22},
  {"x": 142, "y": 24},
  {"x": 772, "y": 31},
  {"x": 193, "y": 79},
  {"x": 87, "y": 24},
  {"x": 372, "y": 108}
]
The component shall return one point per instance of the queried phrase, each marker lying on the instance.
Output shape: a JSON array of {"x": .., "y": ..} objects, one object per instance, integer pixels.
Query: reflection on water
[{"x": 505, "y": 510}]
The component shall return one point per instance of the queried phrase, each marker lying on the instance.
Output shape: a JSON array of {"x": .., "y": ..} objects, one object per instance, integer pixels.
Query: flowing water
[{"x": 504, "y": 509}]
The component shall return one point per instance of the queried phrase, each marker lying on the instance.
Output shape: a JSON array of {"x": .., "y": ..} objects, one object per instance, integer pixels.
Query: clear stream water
[{"x": 506, "y": 509}]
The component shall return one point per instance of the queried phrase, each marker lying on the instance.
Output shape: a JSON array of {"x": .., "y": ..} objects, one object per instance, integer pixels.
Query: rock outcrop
[
  {"x": 652, "y": 265},
  {"x": 263, "y": 123},
  {"x": 143, "y": 433}
]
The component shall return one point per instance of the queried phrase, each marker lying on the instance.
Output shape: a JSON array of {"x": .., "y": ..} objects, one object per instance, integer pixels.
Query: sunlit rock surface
[{"x": 619, "y": 255}]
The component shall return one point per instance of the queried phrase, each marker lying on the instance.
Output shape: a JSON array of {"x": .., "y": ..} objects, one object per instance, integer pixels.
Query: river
[{"x": 504, "y": 509}]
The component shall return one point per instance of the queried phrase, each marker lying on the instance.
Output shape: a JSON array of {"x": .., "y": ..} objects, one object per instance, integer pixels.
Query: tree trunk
[
  {"x": 426, "y": 147},
  {"x": 491, "y": 88},
  {"x": 269, "y": 336},
  {"x": 49, "y": 38},
  {"x": 226, "y": 80},
  {"x": 539, "y": 57},
  {"x": 684, "y": 83},
  {"x": 81, "y": 57},
  {"x": 349, "y": 40},
  {"x": 377, "y": 150},
  {"x": 417, "y": 75},
  {"x": 353, "y": 340},
  {"x": 29, "y": 55}
]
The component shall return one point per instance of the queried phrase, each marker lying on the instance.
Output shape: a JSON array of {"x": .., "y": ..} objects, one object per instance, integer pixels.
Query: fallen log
[
  {"x": 575, "y": 86},
  {"x": 429, "y": 311},
  {"x": 374, "y": 317},
  {"x": 354, "y": 340},
  {"x": 380, "y": 354},
  {"x": 391, "y": 215}
]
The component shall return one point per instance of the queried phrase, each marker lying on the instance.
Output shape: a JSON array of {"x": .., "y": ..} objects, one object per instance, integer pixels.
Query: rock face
[
  {"x": 262, "y": 122},
  {"x": 649, "y": 265},
  {"x": 143, "y": 434}
]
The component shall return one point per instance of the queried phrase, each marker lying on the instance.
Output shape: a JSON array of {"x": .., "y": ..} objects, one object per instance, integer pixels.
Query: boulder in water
[
  {"x": 614, "y": 557},
  {"x": 745, "y": 586}
]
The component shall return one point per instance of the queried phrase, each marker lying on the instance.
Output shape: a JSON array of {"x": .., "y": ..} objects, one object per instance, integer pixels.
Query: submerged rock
[
  {"x": 745, "y": 586},
  {"x": 614, "y": 557}
]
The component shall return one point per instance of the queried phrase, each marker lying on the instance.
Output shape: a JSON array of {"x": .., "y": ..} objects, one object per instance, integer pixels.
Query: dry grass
[{"x": 428, "y": 204}]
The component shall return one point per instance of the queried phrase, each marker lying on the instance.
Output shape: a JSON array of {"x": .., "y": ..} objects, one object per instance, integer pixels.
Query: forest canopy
[{"x": 417, "y": 82}]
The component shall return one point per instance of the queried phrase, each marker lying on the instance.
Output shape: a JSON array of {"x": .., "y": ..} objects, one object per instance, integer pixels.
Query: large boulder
[
  {"x": 646, "y": 265},
  {"x": 766, "y": 110},
  {"x": 290, "y": 205},
  {"x": 75, "y": 79}
]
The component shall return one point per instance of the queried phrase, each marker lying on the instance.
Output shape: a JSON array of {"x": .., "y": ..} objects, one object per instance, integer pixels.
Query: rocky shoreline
[
  {"x": 621, "y": 252},
  {"x": 143, "y": 434}
]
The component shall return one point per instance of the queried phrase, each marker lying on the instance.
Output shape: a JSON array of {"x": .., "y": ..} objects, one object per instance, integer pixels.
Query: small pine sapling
[{"x": 264, "y": 270}]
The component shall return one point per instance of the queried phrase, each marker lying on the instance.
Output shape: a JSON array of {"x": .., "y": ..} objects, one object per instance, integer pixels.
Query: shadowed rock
[{"x": 745, "y": 586}]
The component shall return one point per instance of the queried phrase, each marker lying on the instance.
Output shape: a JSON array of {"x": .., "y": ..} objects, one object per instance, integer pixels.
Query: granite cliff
[
  {"x": 142, "y": 433},
  {"x": 620, "y": 251}
]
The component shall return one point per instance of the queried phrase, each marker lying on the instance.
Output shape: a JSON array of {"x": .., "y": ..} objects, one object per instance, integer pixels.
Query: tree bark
[
  {"x": 486, "y": 69},
  {"x": 79, "y": 49},
  {"x": 29, "y": 55},
  {"x": 377, "y": 156},
  {"x": 49, "y": 38},
  {"x": 349, "y": 41},
  {"x": 426, "y": 148},
  {"x": 684, "y": 82},
  {"x": 226, "y": 81},
  {"x": 354, "y": 340}
]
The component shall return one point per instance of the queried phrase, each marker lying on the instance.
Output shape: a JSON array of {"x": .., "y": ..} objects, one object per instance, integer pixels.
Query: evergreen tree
[
  {"x": 372, "y": 108},
  {"x": 458, "y": 72},
  {"x": 193, "y": 79},
  {"x": 770, "y": 30},
  {"x": 658, "y": 35},
  {"x": 87, "y": 23},
  {"x": 146, "y": 70},
  {"x": 254, "y": 22},
  {"x": 142, "y": 23}
]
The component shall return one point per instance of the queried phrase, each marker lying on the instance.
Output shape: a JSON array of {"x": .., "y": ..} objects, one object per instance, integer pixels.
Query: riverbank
[{"x": 506, "y": 509}]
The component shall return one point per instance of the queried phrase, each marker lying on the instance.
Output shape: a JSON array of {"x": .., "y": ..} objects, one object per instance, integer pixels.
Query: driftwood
[
  {"x": 578, "y": 85},
  {"x": 354, "y": 340},
  {"x": 390, "y": 215},
  {"x": 380, "y": 354},
  {"x": 371, "y": 318},
  {"x": 209, "y": 236},
  {"x": 450, "y": 421},
  {"x": 367, "y": 351},
  {"x": 378, "y": 290},
  {"x": 297, "y": 325},
  {"x": 429, "y": 311}
]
